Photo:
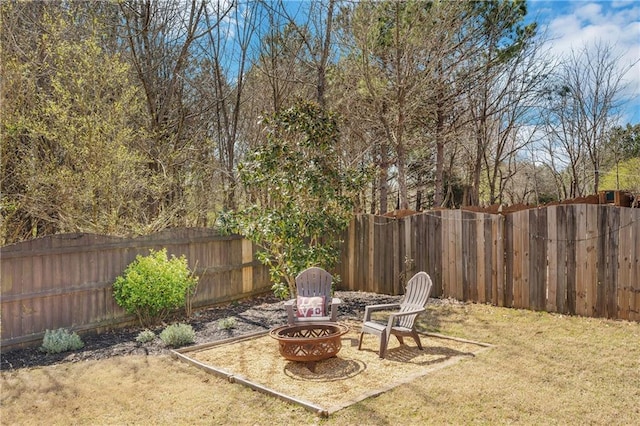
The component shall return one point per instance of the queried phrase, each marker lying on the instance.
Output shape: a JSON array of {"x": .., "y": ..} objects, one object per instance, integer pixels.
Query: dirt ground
[{"x": 252, "y": 315}]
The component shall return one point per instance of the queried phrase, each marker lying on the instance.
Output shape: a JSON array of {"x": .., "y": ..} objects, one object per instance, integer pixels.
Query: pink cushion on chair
[{"x": 310, "y": 306}]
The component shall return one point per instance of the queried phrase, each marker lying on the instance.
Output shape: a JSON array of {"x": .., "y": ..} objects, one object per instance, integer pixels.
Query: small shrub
[
  {"x": 60, "y": 340},
  {"x": 145, "y": 336},
  {"x": 153, "y": 285},
  {"x": 227, "y": 323},
  {"x": 178, "y": 335}
]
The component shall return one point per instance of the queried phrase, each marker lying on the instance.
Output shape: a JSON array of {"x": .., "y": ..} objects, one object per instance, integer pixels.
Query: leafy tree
[
  {"x": 624, "y": 142},
  {"x": 302, "y": 194},
  {"x": 622, "y": 154},
  {"x": 624, "y": 175}
]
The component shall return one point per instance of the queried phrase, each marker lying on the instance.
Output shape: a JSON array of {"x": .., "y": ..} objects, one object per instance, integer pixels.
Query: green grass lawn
[{"x": 543, "y": 369}]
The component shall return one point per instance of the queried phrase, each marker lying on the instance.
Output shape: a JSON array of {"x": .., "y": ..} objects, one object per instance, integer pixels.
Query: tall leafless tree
[{"x": 583, "y": 104}]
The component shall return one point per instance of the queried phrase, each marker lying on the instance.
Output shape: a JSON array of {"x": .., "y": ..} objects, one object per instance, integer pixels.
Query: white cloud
[{"x": 573, "y": 25}]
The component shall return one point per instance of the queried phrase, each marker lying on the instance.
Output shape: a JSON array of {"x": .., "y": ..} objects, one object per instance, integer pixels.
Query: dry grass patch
[
  {"x": 134, "y": 390},
  {"x": 544, "y": 369}
]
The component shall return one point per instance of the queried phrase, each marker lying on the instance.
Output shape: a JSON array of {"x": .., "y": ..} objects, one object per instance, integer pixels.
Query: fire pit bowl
[{"x": 309, "y": 342}]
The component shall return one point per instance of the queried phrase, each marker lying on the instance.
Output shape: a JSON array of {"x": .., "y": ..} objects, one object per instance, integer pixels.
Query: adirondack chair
[
  {"x": 402, "y": 322},
  {"x": 313, "y": 302}
]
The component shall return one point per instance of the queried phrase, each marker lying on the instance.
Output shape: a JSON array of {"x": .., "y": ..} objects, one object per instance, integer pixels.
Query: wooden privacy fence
[
  {"x": 66, "y": 280},
  {"x": 576, "y": 259}
]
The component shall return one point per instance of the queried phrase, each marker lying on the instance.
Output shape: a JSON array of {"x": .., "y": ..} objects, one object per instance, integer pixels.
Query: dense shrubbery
[{"x": 153, "y": 285}]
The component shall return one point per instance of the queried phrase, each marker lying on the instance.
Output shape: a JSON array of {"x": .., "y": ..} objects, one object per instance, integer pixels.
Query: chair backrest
[
  {"x": 416, "y": 296},
  {"x": 315, "y": 281}
]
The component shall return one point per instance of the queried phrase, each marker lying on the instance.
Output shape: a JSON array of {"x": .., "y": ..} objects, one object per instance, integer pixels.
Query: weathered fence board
[
  {"x": 66, "y": 280},
  {"x": 574, "y": 259}
]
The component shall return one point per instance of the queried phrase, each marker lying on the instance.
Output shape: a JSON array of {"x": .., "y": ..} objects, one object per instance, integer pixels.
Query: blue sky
[{"x": 572, "y": 23}]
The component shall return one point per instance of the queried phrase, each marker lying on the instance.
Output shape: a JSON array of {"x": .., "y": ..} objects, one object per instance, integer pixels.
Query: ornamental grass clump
[
  {"x": 177, "y": 335},
  {"x": 154, "y": 285},
  {"x": 60, "y": 340},
  {"x": 145, "y": 336},
  {"x": 227, "y": 323}
]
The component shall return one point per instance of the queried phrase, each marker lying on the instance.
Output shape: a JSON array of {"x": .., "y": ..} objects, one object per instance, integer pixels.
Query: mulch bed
[{"x": 252, "y": 315}]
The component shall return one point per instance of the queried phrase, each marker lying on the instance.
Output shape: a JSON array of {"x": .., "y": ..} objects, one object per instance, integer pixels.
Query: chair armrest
[
  {"x": 395, "y": 315},
  {"x": 335, "y": 301},
  {"x": 404, "y": 314},
  {"x": 368, "y": 310}
]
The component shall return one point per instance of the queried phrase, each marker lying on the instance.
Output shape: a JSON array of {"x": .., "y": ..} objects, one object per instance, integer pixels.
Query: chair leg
[
  {"x": 400, "y": 339},
  {"x": 360, "y": 343},
  {"x": 383, "y": 345},
  {"x": 416, "y": 337}
]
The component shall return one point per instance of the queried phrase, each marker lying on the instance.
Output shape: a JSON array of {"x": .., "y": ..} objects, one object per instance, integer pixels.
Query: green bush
[
  {"x": 178, "y": 335},
  {"x": 60, "y": 340},
  {"x": 153, "y": 285},
  {"x": 145, "y": 336}
]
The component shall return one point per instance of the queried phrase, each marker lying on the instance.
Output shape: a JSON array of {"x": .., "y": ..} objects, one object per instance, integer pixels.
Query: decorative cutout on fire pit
[{"x": 309, "y": 342}]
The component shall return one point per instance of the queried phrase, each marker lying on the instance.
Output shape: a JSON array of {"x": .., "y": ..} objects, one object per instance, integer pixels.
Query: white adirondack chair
[
  {"x": 402, "y": 322},
  {"x": 313, "y": 283}
]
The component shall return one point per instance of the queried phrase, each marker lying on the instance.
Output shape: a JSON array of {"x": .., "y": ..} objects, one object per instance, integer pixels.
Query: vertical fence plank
[
  {"x": 433, "y": 250},
  {"x": 612, "y": 237},
  {"x": 634, "y": 306},
  {"x": 448, "y": 285},
  {"x": 453, "y": 265},
  {"x": 482, "y": 257},
  {"x": 436, "y": 250},
  {"x": 467, "y": 246},
  {"x": 581, "y": 260},
  {"x": 351, "y": 254},
  {"x": 457, "y": 250},
  {"x": 370, "y": 255},
  {"x": 535, "y": 273},
  {"x": 593, "y": 262},
  {"x": 509, "y": 259},
  {"x": 520, "y": 261},
  {"x": 538, "y": 258},
  {"x": 562, "y": 259},
  {"x": 552, "y": 255},
  {"x": 498, "y": 267},
  {"x": 623, "y": 293},
  {"x": 408, "y": 255},
  {"x": 572, "y": 258},
  {"x": 419, "y": 241}
]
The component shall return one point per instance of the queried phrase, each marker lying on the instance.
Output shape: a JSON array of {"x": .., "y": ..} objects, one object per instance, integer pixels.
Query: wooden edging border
[
  {"x": 309, "y": 406},
  {"x": 233, "y": 378}
]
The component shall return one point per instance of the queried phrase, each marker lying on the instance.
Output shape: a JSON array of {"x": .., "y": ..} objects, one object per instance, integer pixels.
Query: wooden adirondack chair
[
  {"x": 314, "y": 302},
  {"x": 402, "y": 322}
]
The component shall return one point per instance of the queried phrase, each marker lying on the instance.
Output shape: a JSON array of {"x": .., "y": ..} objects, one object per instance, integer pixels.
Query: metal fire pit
[{"x": 309, "y": 342}]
